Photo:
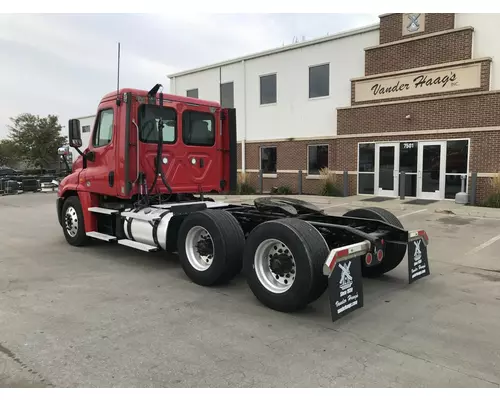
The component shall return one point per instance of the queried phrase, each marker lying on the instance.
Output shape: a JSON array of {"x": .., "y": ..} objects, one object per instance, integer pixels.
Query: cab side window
[
  {"x": 198, "y": 128},
  {"x": 104, "y": 130}
]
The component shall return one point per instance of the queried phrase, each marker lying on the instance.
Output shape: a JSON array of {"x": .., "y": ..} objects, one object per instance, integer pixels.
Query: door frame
[
  {"x": 377, "y": 190},
  {"x": 439, "y": 194}
]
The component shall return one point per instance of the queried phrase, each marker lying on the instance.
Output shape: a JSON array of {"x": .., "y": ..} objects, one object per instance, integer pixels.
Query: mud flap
[
  {"x": 418, "y": 262},
  {"x": 345, "y": 283}
]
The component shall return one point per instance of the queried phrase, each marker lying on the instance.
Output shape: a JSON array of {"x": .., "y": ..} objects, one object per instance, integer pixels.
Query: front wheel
[{"x": 72, "y": 222}]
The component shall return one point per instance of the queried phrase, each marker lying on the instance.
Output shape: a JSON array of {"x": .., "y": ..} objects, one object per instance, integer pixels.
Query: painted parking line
[
  {"x": 482, "y": 246},
  {"x": 411, "y": 213}
]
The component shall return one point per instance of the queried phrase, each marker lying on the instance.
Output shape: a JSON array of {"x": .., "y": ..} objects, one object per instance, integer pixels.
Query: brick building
[{"x": 418, "y": 93}]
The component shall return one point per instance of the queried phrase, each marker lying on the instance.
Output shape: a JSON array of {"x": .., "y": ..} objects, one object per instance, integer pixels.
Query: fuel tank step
[
  {"x": 141, "y": 216},
  {"x": 101, "y": 236},
  {"x": 137, "y": 245},
  {"x": 101, "y": 210}
]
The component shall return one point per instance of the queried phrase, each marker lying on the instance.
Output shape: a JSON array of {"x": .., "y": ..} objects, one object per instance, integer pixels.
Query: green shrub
[
  {"x": 281, "y": 190},
  {"x": 244, "y": 186},
  {"x": 330, "y": 185},
  {"x": 493, "y": 199}
]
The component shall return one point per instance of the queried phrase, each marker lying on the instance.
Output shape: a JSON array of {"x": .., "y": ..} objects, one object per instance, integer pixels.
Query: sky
[{"x": 62, "y": 64}]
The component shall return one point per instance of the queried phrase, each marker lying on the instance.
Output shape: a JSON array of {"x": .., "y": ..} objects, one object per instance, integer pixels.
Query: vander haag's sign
[{"x": 419, "y": 83}]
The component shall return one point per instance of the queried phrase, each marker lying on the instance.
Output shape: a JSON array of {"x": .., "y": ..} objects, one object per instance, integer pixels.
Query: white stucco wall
[
  {"x": 484, "y": 41},
  {"x": 294, "y": 115}
]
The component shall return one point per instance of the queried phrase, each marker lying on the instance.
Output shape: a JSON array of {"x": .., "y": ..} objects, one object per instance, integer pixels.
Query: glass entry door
[
  {"x": 431, "y": 170},
  {"x": 386, "y": 169}
]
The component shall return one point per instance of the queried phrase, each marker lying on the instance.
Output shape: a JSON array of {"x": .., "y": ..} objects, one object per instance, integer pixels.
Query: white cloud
[{"x": 63, "y": 63}]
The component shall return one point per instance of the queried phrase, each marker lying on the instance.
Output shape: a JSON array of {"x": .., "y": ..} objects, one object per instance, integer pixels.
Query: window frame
[
  {"x": 197, "y": 93},
  {"x": 309, "y": 81},
  {"x": 327, "y": 162},
  {"x": 85, "y": 126},
  {"x": 275, "y": 74},
  {"x": 268, "y": 174},
  {"x": 232, "y": 95},
  {"x": 97, "y": 127},
  {"x": 140, "y": 122},
  {"x": 214, "y": 128},
  {"x": 372, "y": 173}
]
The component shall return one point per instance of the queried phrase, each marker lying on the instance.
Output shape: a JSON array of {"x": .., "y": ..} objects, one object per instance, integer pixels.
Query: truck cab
[{"x": 126, "y": 156}]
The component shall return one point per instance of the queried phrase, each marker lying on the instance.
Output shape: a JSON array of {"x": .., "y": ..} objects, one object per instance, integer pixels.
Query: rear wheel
[
  {"x": 394, "y": 253},
  {"x": 210, "y": 245},
  {"x": 283, "y": 262},
  {"x": 72, "y": 222}
]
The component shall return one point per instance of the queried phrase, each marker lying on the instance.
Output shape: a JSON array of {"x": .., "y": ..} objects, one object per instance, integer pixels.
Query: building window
[
  {"x": 268, "y": 160},
  {"x": 227, "y": 95},
  {"x": 457, "y": 152},
  {"x": 319, "y": 81},
  {"x": 85, "y": 128},
  {"x": 104, "y": 132},
  {"x": 366, "y": 168},
  {"x": 198, "y": 128},
  {"x": 268, "y": 91},
  {"x": 192, "y": 93},
  {"x": 317, "y": 158}
]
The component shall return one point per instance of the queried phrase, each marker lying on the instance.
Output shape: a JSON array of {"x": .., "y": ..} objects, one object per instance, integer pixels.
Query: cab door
[
  {"x": 99, "y": 176},
  {"x": 202, "y": 155}
]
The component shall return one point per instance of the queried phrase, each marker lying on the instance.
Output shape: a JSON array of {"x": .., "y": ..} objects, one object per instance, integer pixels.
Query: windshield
[{"x": 149, "y": 115}]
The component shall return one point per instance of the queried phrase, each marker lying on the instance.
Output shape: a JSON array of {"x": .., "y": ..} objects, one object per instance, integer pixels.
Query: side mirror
[
  {"x": 63, "y": 151},
  {"x": 75, "y": 136}
]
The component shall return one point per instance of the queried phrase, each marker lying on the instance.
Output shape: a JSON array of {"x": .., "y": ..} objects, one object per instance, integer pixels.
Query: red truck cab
[{"x": 197, "y": 154}]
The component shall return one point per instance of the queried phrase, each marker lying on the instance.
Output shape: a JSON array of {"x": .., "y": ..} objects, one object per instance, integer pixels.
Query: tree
[
  {"x": 37, "y": 139},
  {"x": 8, "y": 153}
]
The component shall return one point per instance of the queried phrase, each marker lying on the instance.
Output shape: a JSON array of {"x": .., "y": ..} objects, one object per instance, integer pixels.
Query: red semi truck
[{"x": 142, "y": 182}]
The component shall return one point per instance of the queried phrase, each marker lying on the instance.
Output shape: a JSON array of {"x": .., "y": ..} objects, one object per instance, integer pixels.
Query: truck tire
[
  {"x": 210, "y": 246},
  {"x": 394, "y": 253},
  {"x": 283, "y": 264},
  {"x": 72, "y": 222}
]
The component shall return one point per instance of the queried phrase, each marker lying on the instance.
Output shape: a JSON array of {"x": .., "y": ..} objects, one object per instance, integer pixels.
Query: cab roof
[{"x": 166, "y": 96}]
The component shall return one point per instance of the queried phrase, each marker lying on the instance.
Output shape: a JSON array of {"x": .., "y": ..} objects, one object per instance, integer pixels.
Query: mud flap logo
[
  {"x": 345, "y": 288},
  {"x": 345, "y": 277},
  {"x": 418, "y": 263},
  {"x": 417, "y": 255}
]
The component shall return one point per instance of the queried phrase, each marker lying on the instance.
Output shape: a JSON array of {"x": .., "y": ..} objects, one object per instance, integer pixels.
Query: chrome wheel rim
[
  {"x": 71, "y": 221},
  {"x": 199, "y": 248},
  {"x": 275, "y": 266}
]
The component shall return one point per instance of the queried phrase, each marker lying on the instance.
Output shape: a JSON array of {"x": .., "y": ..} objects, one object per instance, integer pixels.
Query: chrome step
[
  {"x": 100, "y": 210},
  {"x": 138, "y": 245},
  {"x": 141, "y": 216},
  {"x": 101, "y": 236}
]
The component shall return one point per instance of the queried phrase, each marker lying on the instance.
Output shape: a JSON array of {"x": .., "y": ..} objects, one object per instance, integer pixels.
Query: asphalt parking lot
[{"x": 108, "y": 316}]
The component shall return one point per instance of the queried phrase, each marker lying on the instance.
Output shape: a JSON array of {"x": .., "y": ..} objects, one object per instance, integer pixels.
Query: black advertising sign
[
  {"x": 418, "y": 263},
  {"x": 345, "y": 288}
]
